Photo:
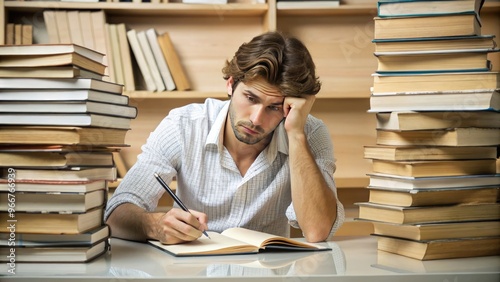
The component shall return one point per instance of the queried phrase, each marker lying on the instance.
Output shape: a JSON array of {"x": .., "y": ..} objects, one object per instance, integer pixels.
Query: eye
[
  {"x": 275, "y": 108},
  {"x": 251, "y": 98}
]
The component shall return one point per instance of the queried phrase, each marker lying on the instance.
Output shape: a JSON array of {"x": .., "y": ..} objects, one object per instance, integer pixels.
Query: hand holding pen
[{"x": 176, "y": 199}]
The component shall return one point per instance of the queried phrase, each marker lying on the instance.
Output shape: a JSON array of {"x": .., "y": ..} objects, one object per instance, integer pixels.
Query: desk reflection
[
  {"x": 156, "y": 263},
  {"x": 351, "y": 259}
]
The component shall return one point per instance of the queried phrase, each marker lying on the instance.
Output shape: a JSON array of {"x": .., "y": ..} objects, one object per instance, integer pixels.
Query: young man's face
[{"x": 256, "y": 110}]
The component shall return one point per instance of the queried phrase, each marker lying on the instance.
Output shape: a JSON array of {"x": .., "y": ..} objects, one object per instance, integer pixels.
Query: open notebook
[{"x": 237, "y": 241}]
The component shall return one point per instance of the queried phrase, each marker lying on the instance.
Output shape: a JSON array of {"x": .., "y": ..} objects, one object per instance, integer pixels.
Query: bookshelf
[{"x": 205, "y": 35}]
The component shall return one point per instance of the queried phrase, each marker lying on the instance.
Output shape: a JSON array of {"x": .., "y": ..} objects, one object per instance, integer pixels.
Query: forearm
[
  {"x": 314, "y": 202},
  {"x": 131, "y": 222}
]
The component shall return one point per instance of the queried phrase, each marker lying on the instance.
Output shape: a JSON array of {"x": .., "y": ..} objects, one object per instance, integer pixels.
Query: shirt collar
[{"x": 279, "y": 143}]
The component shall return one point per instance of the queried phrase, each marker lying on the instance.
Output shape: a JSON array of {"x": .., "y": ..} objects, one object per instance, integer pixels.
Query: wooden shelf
[
  {"x": 139, "y": 95},
  {"x": 341, "y": 10},
  {"x": 175, "y": 95},
  {"x": 141, "y": 9}
]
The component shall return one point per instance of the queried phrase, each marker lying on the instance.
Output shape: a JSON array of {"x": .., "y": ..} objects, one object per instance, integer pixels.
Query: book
[
  {"x": 434, "y": 167},
  {"x": 54, "y": 202},
  {"x": 412, "y": 8},
  {"x": 98, "y": 21},
  {"x": 69, "y": 174},
  {"x": 473, "y": 42},
  {"x": 305, "y": 4},
  {"x": 470, "y": 136},
  {"x": 433, "y": 61},
  {"x": 49, "y": 72},
  {"x": 57, "y": 254},
  {"x": 434, "y": 82},
  {"x": 150, "y": 60},
  {"x": 53, "y": 223},
  {"x": 49, "y": 17},
  {"x": 436, "y": 231},
  {"x": 126, "y": 59},
  {"x": 68, "y": 107},
  {"x": 75, "y": 29},
  {"x": 430, "y": 197},
  {"x": 62, "y": 24},
  {"x": 414, "y": 153},
  {"x": 411, "y": 120},
  {"x": 428, "y": 214},
  {"x": 440, "y": 249},
  {"x": 54, "y": 186},
  {"x": 110, "y": 70},
  {"x": 62, "y": 95},
  {"x": 87, "y": 238},
  {"x": 54, "y": 156},
  {"x": 428, "y": 26},
  {"x": 461, "y": 101},
  {"x": 141, "y": 60},
  {"x": 87, "y": 28},
  {"x": 27, "y": 34},
  {"x": 161, "y": 62},
  {"x": 116, "y": 53},
  {"x": 173, "y": 61},
  {"x": 57, "y": 135},
  {"x": 9, "y": 34},
  {"x": 409, "y": 266},
  {"x": 18, "y": 33},
  {"x": 52, "y": 60},
  {"x": 51, "y": 49},
  {"x": 237, "y": 241},
  {"x": 435, "y": 182},
  {"x": 61, "y": 119},
  {"x": 60, "y": 83}
]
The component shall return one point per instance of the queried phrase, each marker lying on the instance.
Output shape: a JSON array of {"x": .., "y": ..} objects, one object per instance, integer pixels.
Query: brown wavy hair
[{"x": 282, "y": 61}]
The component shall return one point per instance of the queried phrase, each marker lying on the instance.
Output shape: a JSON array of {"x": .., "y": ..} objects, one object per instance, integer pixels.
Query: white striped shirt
[{"x": 188, "y": 145}]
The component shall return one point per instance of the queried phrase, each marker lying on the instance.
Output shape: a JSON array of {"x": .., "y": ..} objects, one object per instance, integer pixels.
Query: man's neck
[{"x": 243, "y": 154}]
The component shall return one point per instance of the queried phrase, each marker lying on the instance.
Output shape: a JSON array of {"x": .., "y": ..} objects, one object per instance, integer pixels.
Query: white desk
[{"x": 352, "y": 259}]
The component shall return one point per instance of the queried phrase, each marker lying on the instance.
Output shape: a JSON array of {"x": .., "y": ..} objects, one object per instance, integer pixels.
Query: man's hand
[
  {"x": 296, "y": 110},
  {"x": 131, "y": 222},
  {"x": 177, "y": 226}
]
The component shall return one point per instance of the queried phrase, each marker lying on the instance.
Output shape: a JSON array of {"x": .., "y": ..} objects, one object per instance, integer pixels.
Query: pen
[{"x": 176, "y": 199}]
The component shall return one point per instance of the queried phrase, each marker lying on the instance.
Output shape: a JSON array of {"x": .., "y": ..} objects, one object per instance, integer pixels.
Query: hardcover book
[
  {"x": 428, "y": 26},
  {"x": 436, "y": 231},
  {"x": 413, "y": 153},
  {"x": 411, "y": 120},
  {"x": 440, "y": 249},
  {"x": 58, "y": 135},
  {"x": 237, "y": 241},
  {"x": 416, "y": 8}
]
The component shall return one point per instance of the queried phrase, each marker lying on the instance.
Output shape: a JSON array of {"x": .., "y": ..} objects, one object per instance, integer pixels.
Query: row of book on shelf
[
  {"x": 60, "y": 139},
  {"x": 138, "y": 59},
  {"x": 434, "y": 189},
  {"x": 18, "y": 34}
]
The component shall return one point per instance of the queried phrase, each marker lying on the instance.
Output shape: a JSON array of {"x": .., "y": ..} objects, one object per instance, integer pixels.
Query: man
[{"x": 259, "y": 160}]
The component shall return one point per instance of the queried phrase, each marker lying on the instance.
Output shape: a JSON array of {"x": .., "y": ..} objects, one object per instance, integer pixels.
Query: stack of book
[
  {"x": 434, "y": 190},
  {"x": 60, "y": 125}
]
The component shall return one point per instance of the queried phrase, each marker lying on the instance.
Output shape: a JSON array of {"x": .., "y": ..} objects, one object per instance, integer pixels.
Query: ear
[{"x": 229, "y": 85}]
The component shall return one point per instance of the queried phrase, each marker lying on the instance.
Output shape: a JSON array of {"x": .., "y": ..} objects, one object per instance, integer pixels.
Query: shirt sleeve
[
  {"x": 321, "y": 147},
  {"x": 159, "y": 155}
]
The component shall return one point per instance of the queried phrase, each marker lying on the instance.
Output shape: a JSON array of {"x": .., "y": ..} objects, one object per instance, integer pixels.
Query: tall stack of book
[
  {"x": 434, "y": 190},
  {"x": 60, "y": 124}
]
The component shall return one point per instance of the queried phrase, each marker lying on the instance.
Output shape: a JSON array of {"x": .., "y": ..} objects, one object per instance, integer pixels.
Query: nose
[{"x": 258, "y": 115}]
